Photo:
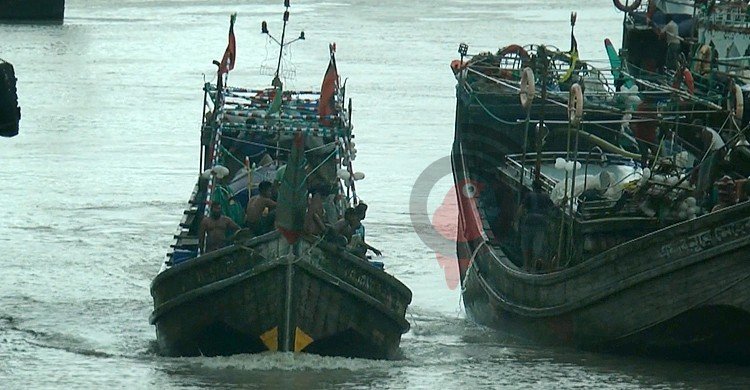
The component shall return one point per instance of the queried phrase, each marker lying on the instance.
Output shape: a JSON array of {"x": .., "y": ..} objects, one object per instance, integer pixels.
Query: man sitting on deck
[
  {"x": 315, "y": 216},
  {"x": 533, "y": 223},
  {"x": 347, "y": 228},
  {"x": 213, "y": 231},
  {"x": 256, "y": 218},
  {"x": 361, "y": 208}
]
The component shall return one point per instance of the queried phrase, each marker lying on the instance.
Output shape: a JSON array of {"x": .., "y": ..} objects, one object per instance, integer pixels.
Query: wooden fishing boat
[
  {"x": 282, "y": 290},
  {"x": 32, "y": 10},
  {"x": 10, "y": 113},
  {"x": 712, "y": 57},
  {"x": 573, "y": 231}
]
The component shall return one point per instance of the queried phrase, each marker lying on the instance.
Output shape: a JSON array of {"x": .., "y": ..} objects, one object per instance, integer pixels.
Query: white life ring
[
  {"x": 528, "y": 87},
  {"x": 630, "y": 8},
  {"x": 575, "y": 105},
  {"x": 739, "y": 102}
]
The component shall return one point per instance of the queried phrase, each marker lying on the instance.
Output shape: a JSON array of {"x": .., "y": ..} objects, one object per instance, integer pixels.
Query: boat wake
[
  {"x": 287, "y": 361},
  {"x": 11, "y": 330}
]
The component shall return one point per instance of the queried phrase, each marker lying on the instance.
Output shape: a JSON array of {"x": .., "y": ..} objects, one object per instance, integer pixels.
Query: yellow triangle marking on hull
[
  {"x": 271, "y": 339},
  {"x": 301, "y": 340}
]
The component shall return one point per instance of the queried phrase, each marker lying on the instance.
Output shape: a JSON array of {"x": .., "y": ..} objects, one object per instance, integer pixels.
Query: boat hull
[
  {"x": 266, "y": 295},
  {"x": 32, "y": 10},
  {"x": 10, "y": 113},
  {"x": 682, "y": 291}
]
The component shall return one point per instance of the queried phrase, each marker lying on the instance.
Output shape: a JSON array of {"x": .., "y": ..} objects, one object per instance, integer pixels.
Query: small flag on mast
[
  {"x": 327, "y": 104},
  {"x": 230, "y": 54}
]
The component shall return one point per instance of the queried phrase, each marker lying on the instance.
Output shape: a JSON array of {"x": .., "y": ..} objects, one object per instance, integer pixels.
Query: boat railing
[
  {"x": 522, "y": 170},
  {"x": 496, "y": 79},
  {"x": 731, "y": 14},
  {"x": 594, "y": 209},
  {"x": 551, "y": 157},
  {"x": 244, "y": 109}
]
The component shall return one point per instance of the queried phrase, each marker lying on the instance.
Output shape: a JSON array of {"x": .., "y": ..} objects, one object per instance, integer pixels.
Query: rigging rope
[
  {"x": 254, "y": 143},
  {"x": 321, "y": 164}
]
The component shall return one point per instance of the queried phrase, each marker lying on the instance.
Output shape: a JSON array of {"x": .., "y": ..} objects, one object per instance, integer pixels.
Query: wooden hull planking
[{"x": 260, "y": 296}]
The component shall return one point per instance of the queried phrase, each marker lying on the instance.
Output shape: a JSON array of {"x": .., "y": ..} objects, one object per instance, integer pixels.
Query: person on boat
[
  {"x": 361, "y": 208},
  {"x": 345, "y": 231},
  {"x": 259, "y": 213},
  {"x": 315, "y": 216},
  {"x": 645, "y": 130},
  {"x": 359, "y": 232},
  {"x": 727, "y": 194},
  {"x": 710, "y": 166},
  {"x": 533, "y": 224},
  {"x": 214, "y": 230},
  {"x": 671, "y": 34},
  {"x": 345, "y": 226}
]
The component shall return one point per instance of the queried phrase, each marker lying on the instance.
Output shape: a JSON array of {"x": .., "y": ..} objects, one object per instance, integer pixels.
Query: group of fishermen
[{"x": 259, "y": 218}]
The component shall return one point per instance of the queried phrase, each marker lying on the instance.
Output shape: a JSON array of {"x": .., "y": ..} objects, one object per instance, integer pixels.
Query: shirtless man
[
  {"x": 212, "y": 234},
  {"x": 345, "y": 226},
  {"x": 254, "y": 218},
  {"x": 315, "y": 216},
  {"x": 348, "y": 227},
  {"x": 361, "y": 208}
]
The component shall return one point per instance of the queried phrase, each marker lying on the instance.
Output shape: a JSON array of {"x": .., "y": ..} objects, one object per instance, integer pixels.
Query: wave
[{"x": 287, "y": 361}]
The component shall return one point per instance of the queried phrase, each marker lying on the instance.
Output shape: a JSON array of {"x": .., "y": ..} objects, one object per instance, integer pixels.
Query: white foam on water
[{"x": 289, "y": 361}]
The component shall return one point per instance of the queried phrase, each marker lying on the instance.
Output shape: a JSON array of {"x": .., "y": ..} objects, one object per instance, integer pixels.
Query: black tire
[{"x": 630, "y": 8}]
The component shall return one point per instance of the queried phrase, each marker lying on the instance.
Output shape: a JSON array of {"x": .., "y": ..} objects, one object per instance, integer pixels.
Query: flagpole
[
  {"x": 264, "y": 29},
  {"x": 283, "y": 33}
]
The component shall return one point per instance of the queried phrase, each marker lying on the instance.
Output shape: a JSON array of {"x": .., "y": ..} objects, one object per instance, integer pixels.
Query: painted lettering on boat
[
  {"x": 707, "y": 239},
  {"x": 361, "y": 281}
]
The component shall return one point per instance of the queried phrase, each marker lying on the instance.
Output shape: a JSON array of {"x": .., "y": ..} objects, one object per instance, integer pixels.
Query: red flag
[
  {"x": 227, "y": 62},
  {"x": 326, "y": 105}
]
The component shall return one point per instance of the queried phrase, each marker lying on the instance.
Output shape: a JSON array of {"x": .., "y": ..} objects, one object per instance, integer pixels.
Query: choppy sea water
[{"x": 95, "y": 184}]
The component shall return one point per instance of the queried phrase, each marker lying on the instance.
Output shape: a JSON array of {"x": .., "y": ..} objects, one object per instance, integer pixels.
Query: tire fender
[
  {"x": 527, "y": 91},
  {"x": 575, "y": 105},
  {"x": 736, "y": 102},
  {"x": 629, "y": 8}
]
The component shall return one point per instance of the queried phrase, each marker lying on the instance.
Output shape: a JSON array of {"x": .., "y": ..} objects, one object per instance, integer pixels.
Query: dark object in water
[
  {"x": 32, "y": 10},
  {"x": 10, "y": 113}
]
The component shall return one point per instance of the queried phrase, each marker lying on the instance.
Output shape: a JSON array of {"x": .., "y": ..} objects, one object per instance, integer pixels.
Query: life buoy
[
  {"x": 575, "y": 105},
  {"x": 684, "y": 77},
  {"x": 518, "y": 50},
  {"x": 528, "y": 87},
  {"x": 629, "y": 8},
  {"x": 736, "y": 102}
]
